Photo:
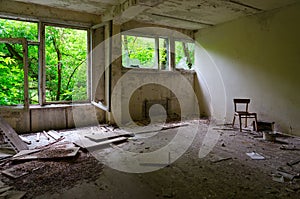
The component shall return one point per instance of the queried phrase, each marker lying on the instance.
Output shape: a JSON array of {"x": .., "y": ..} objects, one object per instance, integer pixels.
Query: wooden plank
[
  {"x": 13, "y": 194},
  {"x": 27, "y": 141},
  {"x": 100, "y": 138},
  {"x": 38, "y": 137},
  {"x": 98, "y": 145},
  {"x": 46, "y": 135},
  {"x": 51, "y": 153},
  {"x": 54, "y": 135},
  {"x": 12, "y": 137}
]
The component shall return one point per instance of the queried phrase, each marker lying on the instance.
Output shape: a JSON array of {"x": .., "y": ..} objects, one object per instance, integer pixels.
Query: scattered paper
[{"x": 255, "y": 156}]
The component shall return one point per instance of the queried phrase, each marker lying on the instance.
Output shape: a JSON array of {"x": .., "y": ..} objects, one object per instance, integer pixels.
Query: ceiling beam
[
  {"x": 182, "y": 19},
  {"x": 128, "y": 9},
  {"x": 245, "y": 5}
]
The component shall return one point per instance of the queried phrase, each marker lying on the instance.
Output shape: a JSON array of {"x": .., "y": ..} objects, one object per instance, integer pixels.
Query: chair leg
[
  {"x": 246, "y": 121},
  {"x": 233, "y": 121},
  {"x": 240, "y": 118}
]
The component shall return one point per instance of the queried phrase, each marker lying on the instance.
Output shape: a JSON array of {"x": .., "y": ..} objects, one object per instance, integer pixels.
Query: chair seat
[{"x": 244, "y": 113}]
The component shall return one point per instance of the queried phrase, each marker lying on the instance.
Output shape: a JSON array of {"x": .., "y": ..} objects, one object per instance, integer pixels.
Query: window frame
[
  {"x": 156, "y": 50},
  {"x": 185, "y": 41},
  {"x": 24, "y": 44},
  {"x": 42, "y": 62},
  {"x": 171, "y": 54},
  {"x": 43, "y": 69}
]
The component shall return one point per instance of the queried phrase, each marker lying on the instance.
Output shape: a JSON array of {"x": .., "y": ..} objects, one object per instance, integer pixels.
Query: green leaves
[
  {"x": 69, "y": 48},
  {"x": 72, "y": 47}
]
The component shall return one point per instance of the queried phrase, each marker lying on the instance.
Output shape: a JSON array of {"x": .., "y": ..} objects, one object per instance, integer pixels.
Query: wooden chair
[{"x": 238, "y": 103}]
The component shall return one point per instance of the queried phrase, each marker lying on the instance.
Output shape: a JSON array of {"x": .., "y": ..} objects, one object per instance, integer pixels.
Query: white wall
[{"x": 257, "y": 57}]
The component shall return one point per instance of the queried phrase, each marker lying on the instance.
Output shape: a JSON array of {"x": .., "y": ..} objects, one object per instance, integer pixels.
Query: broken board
[
  {"x": 100, "y": 138},
  {"x": 91, "y": 145},
  {"x": 49, "y": 154},
  {"x": 22, "y": 169},
  {"x": 12, "y": 137}
]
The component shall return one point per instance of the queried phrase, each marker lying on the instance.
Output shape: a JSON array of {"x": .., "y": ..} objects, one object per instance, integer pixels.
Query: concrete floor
[{"x": 225, "y": 172}]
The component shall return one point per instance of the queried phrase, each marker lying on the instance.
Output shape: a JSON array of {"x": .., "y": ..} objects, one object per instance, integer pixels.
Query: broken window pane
[
  {"x": 184, "y": 55},
  {"x": 163, "y": 54}
]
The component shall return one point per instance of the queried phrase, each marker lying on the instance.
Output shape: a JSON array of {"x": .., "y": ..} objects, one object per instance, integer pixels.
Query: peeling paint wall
[
  {"x": 255, "y": 57},
  {"x": 157, "y": 87},
  {"x": 49, "y": 117}
]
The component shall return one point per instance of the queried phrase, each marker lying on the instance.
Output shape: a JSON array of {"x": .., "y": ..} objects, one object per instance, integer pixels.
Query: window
[
  {"x": 66, "y": 64},
  {"x": 184, "y": 55},
  {"x": 153, "y": 52},
  {"x": 65, "y": 67},
  {"x": 12, "y": 88},
  {"x": 144, "y": 52}
]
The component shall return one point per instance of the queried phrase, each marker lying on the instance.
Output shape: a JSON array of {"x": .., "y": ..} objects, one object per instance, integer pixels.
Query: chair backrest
[{"x": 241, "y": 102}]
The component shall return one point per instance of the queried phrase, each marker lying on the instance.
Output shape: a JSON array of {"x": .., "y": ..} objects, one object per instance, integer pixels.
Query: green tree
[
  {"x": 11, "y": 81},
  {"x": 18, "y": 29},
  {"x": 66, "y": 63}
]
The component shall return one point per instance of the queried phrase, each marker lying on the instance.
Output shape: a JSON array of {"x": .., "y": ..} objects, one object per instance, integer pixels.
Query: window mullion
[
  {"x": 26, "y": 64},
  {"x": 42, "y": 73},
  {"x": 171, "y": 53},
  {"x": 157, "y": 53}
]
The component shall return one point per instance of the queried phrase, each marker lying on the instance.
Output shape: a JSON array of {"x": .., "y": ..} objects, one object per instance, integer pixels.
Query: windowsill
[
  {"x": 59, "y": 105},
  {"x": 183, "y": 71},
  {"x": 32, "y": 107}
]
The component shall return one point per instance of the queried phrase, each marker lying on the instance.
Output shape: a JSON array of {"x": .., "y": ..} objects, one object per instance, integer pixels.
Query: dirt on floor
[
  {"x": 224, "y": 172},
  {"x": 42, "y": 177}
]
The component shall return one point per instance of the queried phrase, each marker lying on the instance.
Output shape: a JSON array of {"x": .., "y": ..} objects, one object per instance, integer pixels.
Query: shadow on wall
[{"x": 255, "y": 60}]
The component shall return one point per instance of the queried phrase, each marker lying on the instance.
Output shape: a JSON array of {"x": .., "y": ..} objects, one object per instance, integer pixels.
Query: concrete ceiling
[{"x": 187, "y": 14}]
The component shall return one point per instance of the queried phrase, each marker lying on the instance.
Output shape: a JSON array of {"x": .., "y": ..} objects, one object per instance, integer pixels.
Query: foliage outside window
[
  {"x": 66, "y": 63},
  {"x": 184, "y": 55},
  {"x": 146, "y": 52},
  {"x": 138, "y": 52},
  {"x": 163, "y": 54},
  {"x": 11, "y": 62}
]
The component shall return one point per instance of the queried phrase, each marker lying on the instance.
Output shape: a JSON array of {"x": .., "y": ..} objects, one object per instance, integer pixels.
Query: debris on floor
[
  {"x": 60, "y": 163},
  {"x": 8, "y": 192},
  {"x": 255, "y": 156},
  {"x": 269, "y": 136},
  {"x": 11, "y": 136},
  {"x": 293, "y": 162},
  {"x": 277, "y": 178},
  {"x": 265, "y": 126},
  {"x": 290, "y": 148}
]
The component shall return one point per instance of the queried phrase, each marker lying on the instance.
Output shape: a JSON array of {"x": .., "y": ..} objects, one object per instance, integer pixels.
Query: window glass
[
  {"x": 184, "y": 55},
  {"x": 66, "y": 64},
  {"x": 138, "y": 52}
]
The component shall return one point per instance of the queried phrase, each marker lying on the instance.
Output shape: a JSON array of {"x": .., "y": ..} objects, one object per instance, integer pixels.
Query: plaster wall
[
  {"x": 139, "y": 89},
  {"x": 51, "y": 117},
  {"x": 255, "y": 57}
]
